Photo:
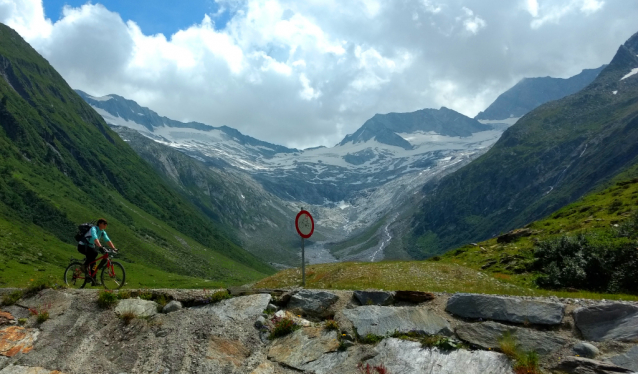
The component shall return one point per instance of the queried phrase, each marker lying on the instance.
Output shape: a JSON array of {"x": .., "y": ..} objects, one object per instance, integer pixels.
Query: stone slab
[
  {"x": 605, "y": 322},
  {"x": 509, "y": 309},
  {"x": 385, "y": 320}
]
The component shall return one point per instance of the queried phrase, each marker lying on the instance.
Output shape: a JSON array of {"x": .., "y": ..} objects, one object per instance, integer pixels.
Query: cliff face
[{"x": 411, "y": 332}]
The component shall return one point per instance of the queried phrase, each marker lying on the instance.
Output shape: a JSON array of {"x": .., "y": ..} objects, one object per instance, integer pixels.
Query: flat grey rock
[
  {"x": 173, "y": 306},
  {"x": 239, "y": 308},
  {"x": 628, "y": 360},
  {"x": 139, "y": 307},
  {"x": 312, "y": 303},
  {"x": 374, "y": 297},
  {"x": 407, "y": 357},
  {"x": 487, "y": 335},
  {"x": 384, "y": 320},
  {"x": 509, "y": 309},
  {"x": 580, "y": 365},
  {"x": 608, "y": 322},
  {"x": 586, "y": 350},
  {"x": 303, "y": 346}
]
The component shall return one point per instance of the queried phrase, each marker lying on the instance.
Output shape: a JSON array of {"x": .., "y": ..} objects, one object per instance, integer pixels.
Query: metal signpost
[{"x": 305, "y": 226}]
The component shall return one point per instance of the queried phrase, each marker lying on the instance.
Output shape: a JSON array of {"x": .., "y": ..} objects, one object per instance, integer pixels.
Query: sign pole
[{"x": 305, "y": 226}]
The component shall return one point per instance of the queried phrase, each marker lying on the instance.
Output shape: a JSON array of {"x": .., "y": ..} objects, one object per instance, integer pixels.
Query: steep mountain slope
[
  {"x": 260, "y": 220},
  {"x": 530, "y": 93},
  {"x": 549, "y": 158},
  {"x": 61, "y": 164}
]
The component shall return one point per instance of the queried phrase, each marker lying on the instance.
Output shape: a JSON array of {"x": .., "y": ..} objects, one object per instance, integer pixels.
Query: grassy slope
[
  {"x": 60, "y": 164},
  {"x": 461, "y": 270}
]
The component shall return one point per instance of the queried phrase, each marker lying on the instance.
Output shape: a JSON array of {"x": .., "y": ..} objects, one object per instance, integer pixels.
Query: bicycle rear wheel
[
  {"x": 113, "y": 280},
  {"x": 74, "y": 277}
]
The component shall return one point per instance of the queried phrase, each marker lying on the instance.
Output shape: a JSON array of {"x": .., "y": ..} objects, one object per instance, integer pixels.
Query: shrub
[
  {"x": 219, "y": 296},
  {"x": 282, "y": 327},
  {"x": 123, "y": 295},
  {"x": 331, "y": 325},
  {"x": 128, "y": 316},
  {"x": 43, "y": 316},
  {"x": 524, "y": 362},
  {"x": 106, "y": 299},
  {"x": 370, "y": 339},
  {"x": 604, "y": 261},
  {"x": 12, "y": 298},
  {"x": 22, "y": 321},
  {"x": 146, "y": 295}
]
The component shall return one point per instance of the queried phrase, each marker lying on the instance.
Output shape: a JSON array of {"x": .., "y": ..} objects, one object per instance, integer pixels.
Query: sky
[{"x": 307, "y": 73}]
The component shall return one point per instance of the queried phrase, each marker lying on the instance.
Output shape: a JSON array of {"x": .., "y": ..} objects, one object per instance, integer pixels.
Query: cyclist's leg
[{"x": 91, "y": 254}]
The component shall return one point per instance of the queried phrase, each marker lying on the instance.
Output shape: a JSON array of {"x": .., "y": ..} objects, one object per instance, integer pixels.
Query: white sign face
[{"x": 305, "y": 224}]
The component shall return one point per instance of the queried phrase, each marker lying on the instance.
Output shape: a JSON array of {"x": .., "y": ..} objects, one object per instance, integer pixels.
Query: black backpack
[{"x": 83, "y": 230}]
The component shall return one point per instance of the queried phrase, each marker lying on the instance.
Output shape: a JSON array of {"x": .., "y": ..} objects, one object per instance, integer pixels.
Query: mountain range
[{"x": 552, "y": 156}]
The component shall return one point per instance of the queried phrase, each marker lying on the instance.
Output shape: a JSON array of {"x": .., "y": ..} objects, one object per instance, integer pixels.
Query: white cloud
[
  {"x": 472, "y": 23},
  {"x": 304, "y": 73}
]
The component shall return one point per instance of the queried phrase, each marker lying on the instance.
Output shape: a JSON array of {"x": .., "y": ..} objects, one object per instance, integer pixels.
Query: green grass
[{"x": 12, "y": 298}]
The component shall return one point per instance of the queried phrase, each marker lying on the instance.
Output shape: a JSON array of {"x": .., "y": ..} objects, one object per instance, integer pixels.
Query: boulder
[
  {"x": 238, "y": 308},
  {"x": 312, "y": 303},
  {"x": 303, "y": 346},
  {"x": 615, "y": 321},
  {"x": 487, "y": 335},
  {"x": 173, "y": 306},
  {"x": 139, "y": 307},
  {"x": 374, "y": 297},
  {"x": 586, "y": 350},
  {"x": 384, "y": 320},
  {"x": 402, "y": 356},
  {"x": 260, "y": 322},
  {"x": 628, "y": 360},
  {"x": 509, "y": 309},
  {"x": 413, "y": 296},
  {"x": 581, "y": 365},
  {"x": 271, "y": 308}
]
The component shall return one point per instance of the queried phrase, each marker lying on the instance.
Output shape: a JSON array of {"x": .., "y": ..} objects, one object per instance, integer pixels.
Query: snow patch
[
  {"x": 614, "y": 92},
  {"x": 103, "y": 98},
  {"x": 632, "y": 72}
]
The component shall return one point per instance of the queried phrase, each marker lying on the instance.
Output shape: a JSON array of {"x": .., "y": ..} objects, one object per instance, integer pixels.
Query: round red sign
[{"x": 304, "y": 224}]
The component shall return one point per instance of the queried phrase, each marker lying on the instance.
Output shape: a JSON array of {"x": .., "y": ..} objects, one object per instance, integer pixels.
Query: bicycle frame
[{"x": 108, "y": 266}]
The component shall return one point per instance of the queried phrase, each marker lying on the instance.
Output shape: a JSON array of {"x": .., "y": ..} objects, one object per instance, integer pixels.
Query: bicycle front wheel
[
  {"x": 113, "y": 276},
  {"x": 74, "y": 276}
]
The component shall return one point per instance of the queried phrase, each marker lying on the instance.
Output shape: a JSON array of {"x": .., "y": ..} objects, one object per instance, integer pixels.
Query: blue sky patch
[{"x": 152, "y": 16}]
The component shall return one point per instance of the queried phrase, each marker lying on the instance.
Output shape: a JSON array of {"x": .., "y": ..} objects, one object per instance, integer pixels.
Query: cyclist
[{"x": 91, "y": 243}]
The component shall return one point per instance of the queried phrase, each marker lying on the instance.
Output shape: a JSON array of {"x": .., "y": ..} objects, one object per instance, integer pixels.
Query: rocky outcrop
[
  {"x": 488, "y": 334},
  {"x": 303, "y": 346},
  {"x": 507, "y": 309},
  {"x": 628, "y": 359},
  {"x": 615, "y": 321},
  {"x": 384, "y": 320},
  {"x": 580, "y": 365},
  {"x": 17, "y": 369},
  {"x": 400, "y": 356},
  {"x": 15, "y": 340},
  {"x": 238, "y": 308},
  {"x": 312, "y": 303}
]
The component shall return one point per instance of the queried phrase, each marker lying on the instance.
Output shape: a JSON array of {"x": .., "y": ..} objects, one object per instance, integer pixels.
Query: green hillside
[
  {"x": 60, "y": 164},
  {"x": 551, "y": 157},
  {"x": 606, "y": 220}
]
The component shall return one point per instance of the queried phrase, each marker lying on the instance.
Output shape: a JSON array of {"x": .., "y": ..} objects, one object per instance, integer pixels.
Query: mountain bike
[{"x": 113, "y": 275}]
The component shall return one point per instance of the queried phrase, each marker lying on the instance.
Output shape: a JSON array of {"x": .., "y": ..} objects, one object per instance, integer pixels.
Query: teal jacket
[{"x": 96, "y": 233}]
